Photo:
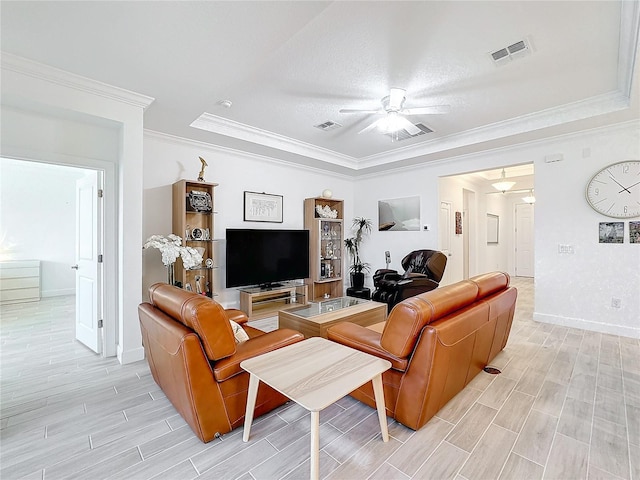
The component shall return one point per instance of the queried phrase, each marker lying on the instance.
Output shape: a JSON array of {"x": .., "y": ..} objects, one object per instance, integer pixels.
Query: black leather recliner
[{"x": 423, "y": 271}]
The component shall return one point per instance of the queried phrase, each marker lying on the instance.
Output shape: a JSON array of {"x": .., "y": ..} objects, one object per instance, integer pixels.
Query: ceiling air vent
[
  {"x": 506, "y": 54},
  {"x": 404, "y": 135},
  {"x": 328, "y": 125}
]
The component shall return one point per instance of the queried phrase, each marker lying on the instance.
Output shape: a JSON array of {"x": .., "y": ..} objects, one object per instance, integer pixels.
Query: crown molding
[
  {"x": 598, "y": 105},
  {"x": 628, "y": 50},
  {"x": 182, "y": 141},
  {"x": 54, "y": 75},
  {"x": 231, "y": 128}
]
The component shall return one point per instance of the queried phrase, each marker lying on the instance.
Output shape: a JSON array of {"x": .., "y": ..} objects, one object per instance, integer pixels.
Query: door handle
[{"x": 74, "y": 267}]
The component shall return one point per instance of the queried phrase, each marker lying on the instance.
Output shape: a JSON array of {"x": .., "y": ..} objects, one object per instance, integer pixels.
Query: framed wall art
[
  {"x": 262, "y": 207},
  {"x": 611, "y": 232},
  {"x": 399, "y": 214},
  {"x": 493, "y": 228},
  {"x": 634, "y": 232},
  {"x": 458, "y": 223}
]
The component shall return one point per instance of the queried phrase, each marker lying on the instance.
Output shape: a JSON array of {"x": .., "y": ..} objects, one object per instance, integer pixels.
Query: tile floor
[{"x": 566, "y": 406}]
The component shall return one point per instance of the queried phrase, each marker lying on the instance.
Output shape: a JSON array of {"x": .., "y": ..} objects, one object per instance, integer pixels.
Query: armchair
[
  {"x": 423, "y": 271},
  {"x": 194, "y": 357}
]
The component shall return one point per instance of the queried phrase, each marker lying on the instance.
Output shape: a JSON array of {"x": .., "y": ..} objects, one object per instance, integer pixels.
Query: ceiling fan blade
[
  {"x": 396, "y": 97},
  {"x": 408, "y": 126},
  {"x": 431, "y": 110},
  {"x": 355, "y": 110},
  {"x": 371, "y": 127}
]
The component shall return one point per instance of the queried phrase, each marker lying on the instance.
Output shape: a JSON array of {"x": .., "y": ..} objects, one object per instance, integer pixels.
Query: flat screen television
[{"x": 265, "y": 257}]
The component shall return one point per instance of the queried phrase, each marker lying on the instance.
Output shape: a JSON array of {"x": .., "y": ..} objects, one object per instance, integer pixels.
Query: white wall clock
[{"x": 614, "y": 191}]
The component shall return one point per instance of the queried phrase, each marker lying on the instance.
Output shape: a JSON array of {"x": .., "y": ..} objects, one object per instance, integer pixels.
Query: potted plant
[{"x": 357, "y": 268}]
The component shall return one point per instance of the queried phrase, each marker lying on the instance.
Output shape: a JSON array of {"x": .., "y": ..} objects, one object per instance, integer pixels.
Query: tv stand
[
  {"x": 270, "y": 286},
  {"x": 258, "y": 302}
]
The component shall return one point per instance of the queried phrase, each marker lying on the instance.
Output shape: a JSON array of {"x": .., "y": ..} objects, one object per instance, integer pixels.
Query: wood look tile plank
[
  {"x": 609, "y": 448},
  {"x": 514, "y": 411},
  {"x": 519, "y": 468},
  {"x": 575, "y": 420},
  {"x": 366, "y": 460},
  {"x": 496, "y": 393},
  {"x": 490, "y": 454},
  {"x": 551, "y": 398},
  {"x": 470, "y": 429},
  {"x": 569, "y": 458},
  {"x": 245, "y": 460},
  {"x": 183, "y": 471},
  {"x": 443, "y": 464},
  {"x": 409, "y": 458},
  {"x": 536, "y": 436},
  {"x": 455, "y": 408}
]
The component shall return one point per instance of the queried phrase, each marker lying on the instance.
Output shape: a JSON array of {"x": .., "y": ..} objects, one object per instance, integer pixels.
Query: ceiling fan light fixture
[
  {"x": 391, "y": 123},
  {"x": 503, "y": 185}
]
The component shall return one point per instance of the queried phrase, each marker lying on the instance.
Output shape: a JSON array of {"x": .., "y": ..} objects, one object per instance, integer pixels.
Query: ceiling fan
[{"x": 394, "y": 113}]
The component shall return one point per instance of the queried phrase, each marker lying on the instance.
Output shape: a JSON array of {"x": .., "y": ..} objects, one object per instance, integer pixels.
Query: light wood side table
[{"x": 315, "y": 373}]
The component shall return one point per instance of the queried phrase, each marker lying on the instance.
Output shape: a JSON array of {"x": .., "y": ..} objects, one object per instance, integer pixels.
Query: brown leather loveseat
[
  {"x": 193, "y": 356},
  {"x": 437, "y": 342}
]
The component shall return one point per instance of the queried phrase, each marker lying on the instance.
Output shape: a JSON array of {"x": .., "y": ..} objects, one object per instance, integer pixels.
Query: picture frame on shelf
[{"x": 262, "y": 207}]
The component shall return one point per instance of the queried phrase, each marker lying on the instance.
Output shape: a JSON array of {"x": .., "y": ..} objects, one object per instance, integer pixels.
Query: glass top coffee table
[{"x": 313, "y": 319}]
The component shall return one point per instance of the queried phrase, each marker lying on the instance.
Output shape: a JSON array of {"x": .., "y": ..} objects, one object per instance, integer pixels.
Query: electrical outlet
[
  {"x": 616, "y": 302},
  {"x": 568, "y": 249}
]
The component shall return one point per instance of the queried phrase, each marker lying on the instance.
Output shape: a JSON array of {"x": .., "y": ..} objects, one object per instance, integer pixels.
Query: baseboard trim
[
  {"x": 588, "y": 325},
  {"x": 58, "y": 293},
  {"x": 130, "y": 356}
]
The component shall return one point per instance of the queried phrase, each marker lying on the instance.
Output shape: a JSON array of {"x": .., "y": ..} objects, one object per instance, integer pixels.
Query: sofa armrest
[
  {"x": 236, "y": 315},
  {"x": 228, "y": 367},
  {"x": 366, "y": 340}
]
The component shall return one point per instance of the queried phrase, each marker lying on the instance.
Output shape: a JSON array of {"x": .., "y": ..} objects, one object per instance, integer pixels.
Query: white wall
[
  {"x": 31, "y": 91},
  {"x": 573, "y": 290},
  {"x": 168, "y": 159},
  {"x": 37, "y": 220}
]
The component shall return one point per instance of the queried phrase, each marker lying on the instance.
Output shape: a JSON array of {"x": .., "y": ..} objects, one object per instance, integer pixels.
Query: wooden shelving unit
[
  {"x": 325, "y": 249},
  {"x": 193, "y": 220}
]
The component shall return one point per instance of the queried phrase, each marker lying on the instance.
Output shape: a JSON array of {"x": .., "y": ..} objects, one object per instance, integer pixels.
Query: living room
[{"x": 54, "y": 116}]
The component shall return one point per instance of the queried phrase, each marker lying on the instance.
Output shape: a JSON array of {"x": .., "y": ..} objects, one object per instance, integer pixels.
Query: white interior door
[
  {"x": 88, "y": 267},
  {"x": 524, "y": 240},
  {"x": 445, "y": 233}
]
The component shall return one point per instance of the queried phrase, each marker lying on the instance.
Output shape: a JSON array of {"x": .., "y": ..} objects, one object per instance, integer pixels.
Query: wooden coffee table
[
  {"x": 313, "y": 319},
  {"x": 315, "y": 373}
]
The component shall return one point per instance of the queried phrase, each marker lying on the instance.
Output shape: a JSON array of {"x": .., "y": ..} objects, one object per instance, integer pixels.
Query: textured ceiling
[{"x": 287, "y": 66}]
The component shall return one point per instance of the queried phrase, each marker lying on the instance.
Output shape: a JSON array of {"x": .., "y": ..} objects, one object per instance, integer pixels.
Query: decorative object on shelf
[
  {"x": 200, "y": 251},
  {"x": 199, "y": 201},
  {"x": 204, "y": 165},
  {"x": 352, "y": 244},
  {"x": 171, "y": 248},
  {"x": 326, "y": 193},
  {"x": 208, "y": 263},
  {"x": 197, "y": 234},
  {"x": 399, "y": 214},
  {"x": 611, "y": 232},
  {"x": 493, "y": 222},
  {"x": 326, "y": 212},
  {"x": 262, "y": 207},
  {"x": 614, "y": 191},
  {"x": 458, "y": 223},
  {"x": 634, "y": 232}
]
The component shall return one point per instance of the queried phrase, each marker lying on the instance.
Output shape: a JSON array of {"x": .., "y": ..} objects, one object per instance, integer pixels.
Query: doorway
[{"x": 49, "y": 209}]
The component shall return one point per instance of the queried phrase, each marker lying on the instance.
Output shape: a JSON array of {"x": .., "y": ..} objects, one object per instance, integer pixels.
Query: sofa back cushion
[
  {"x": 408, "y": 318},
  {"x": 490, "y": 283},
  {"x": 203, "y": 315}
]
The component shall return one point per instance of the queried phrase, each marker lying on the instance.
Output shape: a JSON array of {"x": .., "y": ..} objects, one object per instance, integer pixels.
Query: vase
[
  {"x": 357, "y": 280},
  {"x": 171, "y": 280}
]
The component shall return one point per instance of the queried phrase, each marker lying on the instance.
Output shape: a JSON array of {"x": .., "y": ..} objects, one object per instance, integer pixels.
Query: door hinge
[
  {"x": 100, "y": 258},
  {"x": 100, "y": 193},
  {"x": 99, "y": 323}
]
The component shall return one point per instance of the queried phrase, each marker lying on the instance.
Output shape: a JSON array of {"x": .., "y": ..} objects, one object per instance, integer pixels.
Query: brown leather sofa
[
  {"x": 437, "y": 342},
  {"x": 191, "y": 349}
]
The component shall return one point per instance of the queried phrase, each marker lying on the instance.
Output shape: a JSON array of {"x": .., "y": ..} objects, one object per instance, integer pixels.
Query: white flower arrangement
[{"x": 171, "y": 248}]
